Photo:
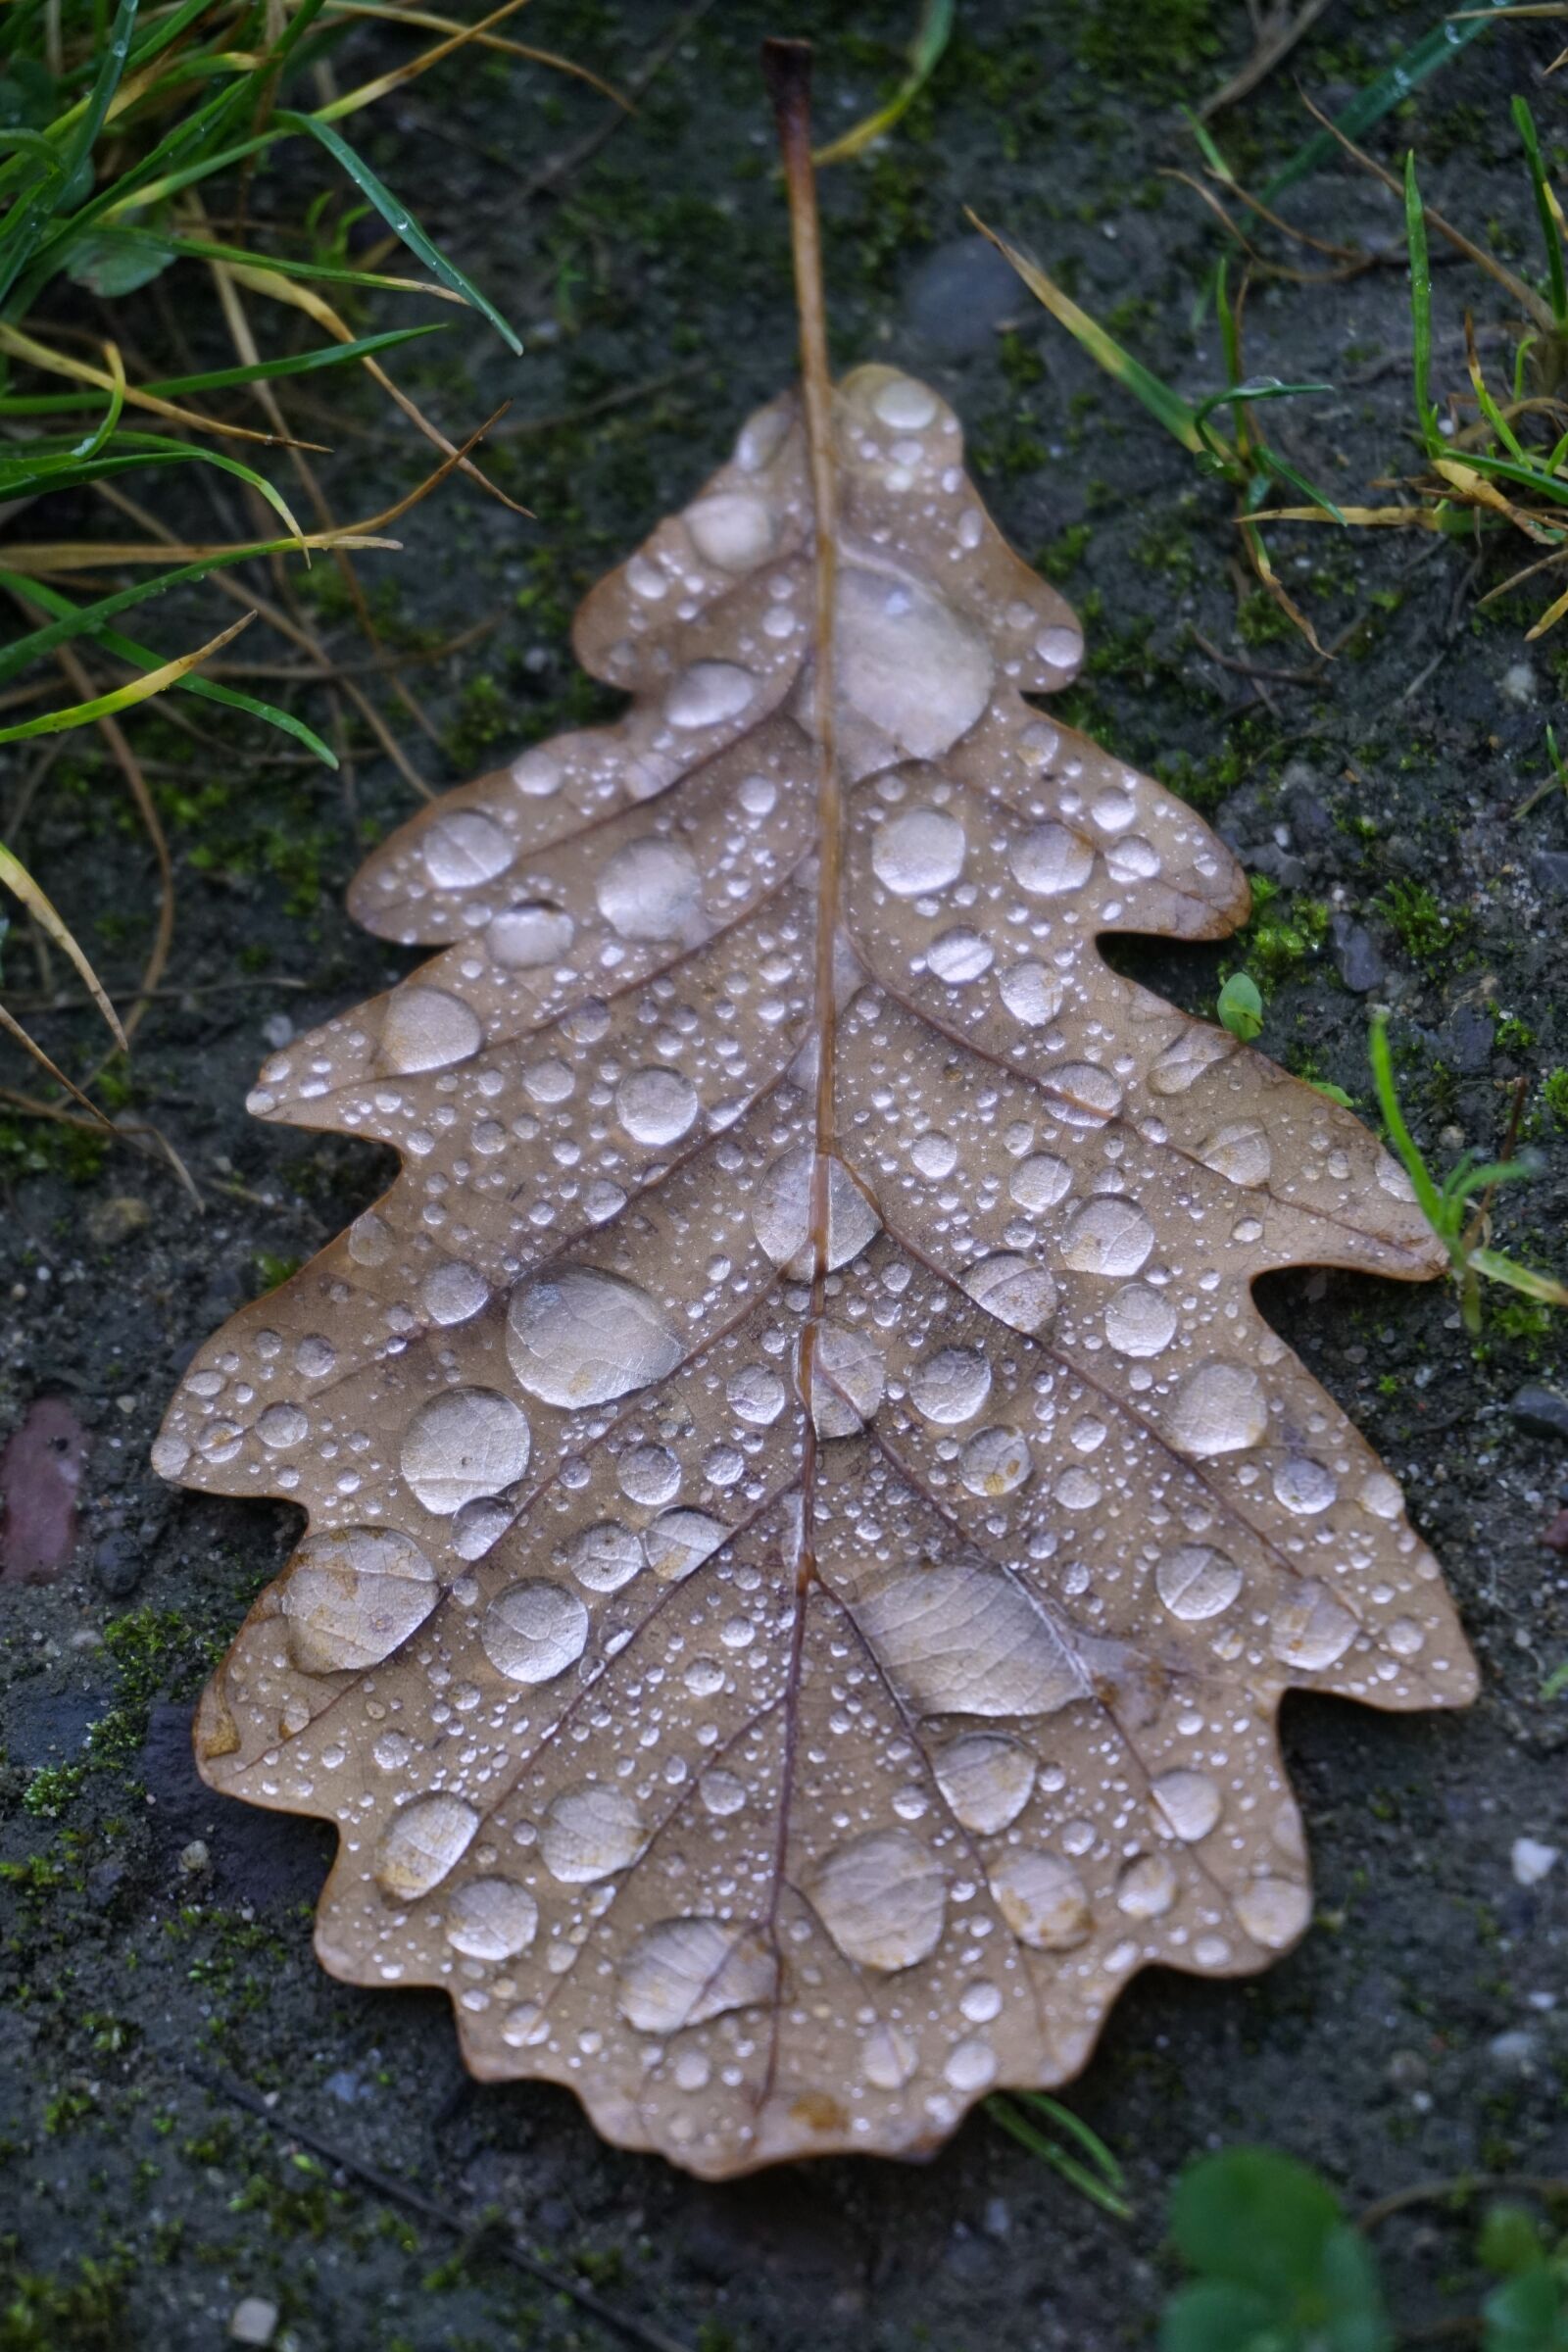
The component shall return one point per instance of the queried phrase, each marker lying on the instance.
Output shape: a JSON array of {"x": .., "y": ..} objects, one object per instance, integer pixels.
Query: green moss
[
  {"x": 1155, "y": 48},
  {"x": 1423, "y": 929},
  {"x": 1555, "y": 1094},
  {"x": 484, "y": 719},
  {"x": 40, "y": 2313},
  {"x": 1063, "y": 554}
]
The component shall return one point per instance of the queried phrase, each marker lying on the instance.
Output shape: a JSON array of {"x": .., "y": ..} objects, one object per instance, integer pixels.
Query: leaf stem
[{"x": 787, "y": 71}]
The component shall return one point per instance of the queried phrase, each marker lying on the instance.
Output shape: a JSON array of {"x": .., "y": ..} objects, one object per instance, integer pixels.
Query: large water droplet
[
  {"x": 731, "y": 528},
  {"x": 681, "y": 1972},
  {"x": 951, "y": 1386},
  {"x": 889, "y": 2058},
  {"x": 1040, "y": 1182},
  {"x": 1241, "y": 1152},
  {"x": 1196, "y": 1582},
  {"x": 491, "y": 1919},
  {"x": 906, "y": 403},
  {"x": 353, "y": 1596},
  {"x": 708, "y": 694},
  {"x": 1220, "y": 1409},
  {"x": 1014, "y": 1290},
  {"x": 1140, "y": 1321},
  {"x": 1310, "y": 1630},
  {"x": 1048, "y": 860},
  {"x": 756, "y": 1396},
  {"x": 590, "y": 1832},
  {"x": 422, "y": 1843},
  {"x": 465, "y": 847},
  {"x": 534, "y": 1631},
  {"x": 917, "y": 852},
  {"x": 1273, "y": 1911},
  {"x": 781, "y": 1214},
  {"x": 986, "y": 1778},
  {"x": 882, "y": 1898},
  {"x": 1303, "y": 1486},
  {"x": 650, "y": 890},
  {"x": 1146, "y": 1887},
  {"x": 530, "y": 933},
  {"x": 655, "y": 1105},
  {"x": 1190, "y": 1802},
  {"x": 680, "y": 1541},
  {"x": 1043, "y": 1900},
  {"x": 1031, "y": 994},
  {"x": 847, "y": 1378},
  {"x": 452, "y": 1291},
  {"x": 427, "y": 1029},
  {"x": 959, "y": 956},
  {"x": 581, "y": 1336},
  {"x": 907, "y": 661},
  {"x": 1110, "y": 1236},
  {"x": 605, "y": 1556},
  {"x": 464, "y": 1443},
  {"x": 995, "y": 1462},
  {"x": 968, "y": 1641}
]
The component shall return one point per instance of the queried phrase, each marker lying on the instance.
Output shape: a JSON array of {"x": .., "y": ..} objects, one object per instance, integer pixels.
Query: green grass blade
[
  {"x": 38, "y": 592},
  {"x": 303, "y": 362},
  {"x": 1108, "y": 2163},
  {"x": 148, "y": 449},
  {"x": 1277, "y": 465},
  {"x": 1172, "y": 412},
  {"x": 1525, "y": 124},
  {"x": 1415, "y": 229},
  {"x": 223, "y": 379},
  {"x": 1399, "y": 1136},
  {"x": 1391, "y": 88},
  {"x": 107, "y": 79},
  {"x": 87, "y": 621},
  {"x": 932, "y": 36},
  {"x": 1049, "y": 2151},
  {"x": 1206, "y": 147},
  {"x": 204, "y": 248},
  {"x": 400, "y": 220},
  {"x": 121, "y": 698}
]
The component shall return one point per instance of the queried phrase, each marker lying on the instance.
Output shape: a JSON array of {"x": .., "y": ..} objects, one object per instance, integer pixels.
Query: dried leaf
[{"x": 780, "y": 1781}]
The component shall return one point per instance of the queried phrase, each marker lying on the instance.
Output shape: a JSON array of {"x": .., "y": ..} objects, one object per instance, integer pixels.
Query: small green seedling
[
  {"x": 1039, "y": 2124},
  {"x": 1528, "y": 2311},
  {"x": 1278, "y": 2268},
  {"x": 1241, "y": 1007},
  {"x": 1556, "y": 777},
  {"x": 1458, "y": 1209}
]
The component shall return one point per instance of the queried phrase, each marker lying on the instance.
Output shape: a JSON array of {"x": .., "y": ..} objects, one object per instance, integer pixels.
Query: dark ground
[{"x": 154, "y": 1936}]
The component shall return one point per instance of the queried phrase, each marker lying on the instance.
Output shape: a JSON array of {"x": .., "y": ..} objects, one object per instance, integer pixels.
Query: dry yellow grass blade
[
  {"x": 482, "y": 35},
  {"x": 48, "y": 362},
  {"x": 16, "y": 879}
]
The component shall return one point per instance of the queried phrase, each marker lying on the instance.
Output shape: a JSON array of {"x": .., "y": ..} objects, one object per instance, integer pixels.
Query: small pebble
[
  {"x": 193, "y": 1860},
  {"x": 1541, "y": 1412},
  {"x": 1517, "y": 2050},
  {"x": 1531, "y": 1860},
  {"x": 278, "y": 1031},
  {"x": 253, "y": 2321}
]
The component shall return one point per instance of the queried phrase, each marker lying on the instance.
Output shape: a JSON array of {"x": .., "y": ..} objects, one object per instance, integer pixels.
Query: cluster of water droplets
[{"x": 783, "y": 1730}]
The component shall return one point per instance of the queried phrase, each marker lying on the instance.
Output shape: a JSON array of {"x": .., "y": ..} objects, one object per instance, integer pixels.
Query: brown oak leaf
[{"x": 782, "y": 1780}]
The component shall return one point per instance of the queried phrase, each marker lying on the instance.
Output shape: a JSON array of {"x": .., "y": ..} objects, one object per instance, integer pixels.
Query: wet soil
[{"x": 167, "y": 2033}]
